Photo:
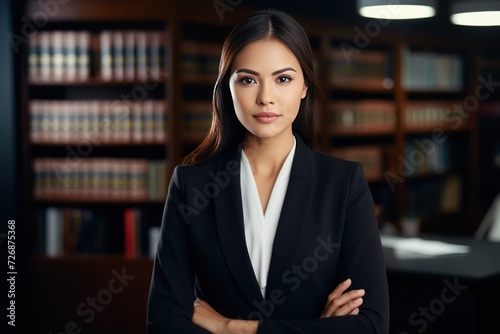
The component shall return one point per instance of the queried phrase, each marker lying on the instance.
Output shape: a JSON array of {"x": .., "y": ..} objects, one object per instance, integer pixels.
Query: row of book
[
  {"x": 96, "y": 179},
  {"x": 197, "y": 119},
  {"x": 69, "y": 231},
  {"x": 200, "y": 59},
  {"x": 119, "y": 55},
  {"x": 424, "y": 70},
  {"x": 60, "y": 55},
  {"x": 373, "y": 116},
  {"x": 429, "y": 115},
  {"x": 371, "y": 158},
  {"x": 97, "y": 121},
  {"x": 368, "y": 68},
  {"x": 424, "y": 156},
  {"x": 131, "y": 55}
]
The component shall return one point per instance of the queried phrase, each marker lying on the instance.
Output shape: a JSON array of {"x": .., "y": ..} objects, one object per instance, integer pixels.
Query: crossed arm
[{"x": 338, "y": 303}]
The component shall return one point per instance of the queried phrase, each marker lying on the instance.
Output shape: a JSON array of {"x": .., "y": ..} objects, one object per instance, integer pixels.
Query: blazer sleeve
[
  {"x": 171, "y": 294},
  {"x": 361, "y": 259}
]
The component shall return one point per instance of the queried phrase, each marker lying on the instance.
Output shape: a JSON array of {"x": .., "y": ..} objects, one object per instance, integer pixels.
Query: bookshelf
[
  {"x": 95, "y": 94},
  {"x": 97, "y": 144},
  {"x": 101, "y": 140}
]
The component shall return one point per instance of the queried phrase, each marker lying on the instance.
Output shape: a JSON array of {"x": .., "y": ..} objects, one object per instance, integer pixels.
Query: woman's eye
[
  {"x": 247, "y": 80},
  {"x": 284, "y": 79}
]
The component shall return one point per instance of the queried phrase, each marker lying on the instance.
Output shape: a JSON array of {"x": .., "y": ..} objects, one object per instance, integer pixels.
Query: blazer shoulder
[{"x": 206, "y": 168}]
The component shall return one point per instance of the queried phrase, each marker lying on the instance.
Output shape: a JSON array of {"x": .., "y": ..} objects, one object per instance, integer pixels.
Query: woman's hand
[
  {"x": 208, "y": 318},
  {"x": 340, "y": 303}
]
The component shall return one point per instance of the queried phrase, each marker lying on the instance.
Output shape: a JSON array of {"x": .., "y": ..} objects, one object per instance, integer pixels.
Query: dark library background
[{"x": 418, "y": 103}]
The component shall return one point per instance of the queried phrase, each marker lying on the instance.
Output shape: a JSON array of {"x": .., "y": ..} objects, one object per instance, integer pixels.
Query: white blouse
[{"x": 260, "y": 228}]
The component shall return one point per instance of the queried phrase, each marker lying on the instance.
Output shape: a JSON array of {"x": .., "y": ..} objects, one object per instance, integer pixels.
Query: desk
[{"x": 446, "y": 294}]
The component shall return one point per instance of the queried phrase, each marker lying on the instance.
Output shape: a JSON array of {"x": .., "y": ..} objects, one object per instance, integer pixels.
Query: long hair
[{"x": 226, "y": 130}]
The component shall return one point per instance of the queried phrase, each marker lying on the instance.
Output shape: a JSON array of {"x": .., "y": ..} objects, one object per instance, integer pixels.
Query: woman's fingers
[
  {"x": 344, "y": 304},
  {"x": 354, "y": 312},
  {"x": 339, "y": 290}
]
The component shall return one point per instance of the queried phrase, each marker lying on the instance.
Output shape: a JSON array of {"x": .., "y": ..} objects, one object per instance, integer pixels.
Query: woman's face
[{"x": 267, "y": 85}]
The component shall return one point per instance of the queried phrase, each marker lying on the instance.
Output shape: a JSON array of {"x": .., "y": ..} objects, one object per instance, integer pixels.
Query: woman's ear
[{"x": 304, "y": 92}]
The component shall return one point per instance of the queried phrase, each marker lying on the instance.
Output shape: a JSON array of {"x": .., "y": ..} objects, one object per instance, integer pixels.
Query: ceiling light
[
  {"x": 397, "y": 9},
  {"x": 476, "y": 13}
]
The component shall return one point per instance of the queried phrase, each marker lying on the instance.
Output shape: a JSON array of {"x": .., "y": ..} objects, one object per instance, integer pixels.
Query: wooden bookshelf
[{"x": 380, "y": 139}]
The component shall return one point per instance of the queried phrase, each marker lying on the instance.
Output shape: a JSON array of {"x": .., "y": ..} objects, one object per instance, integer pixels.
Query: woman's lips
[{"x": 266, "y": 117}]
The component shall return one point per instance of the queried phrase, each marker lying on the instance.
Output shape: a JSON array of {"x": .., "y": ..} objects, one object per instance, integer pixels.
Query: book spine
[
  {"x": 159, "y": 121},
  {"x": 155, "y": 49},
  {"x": 129, "y": 40},
  {"x": 70, "y": 55},
  {"x": 83, "y": 55},
  {"x": 33, "y": 56},
  {"x": 44, "y": 55},
  {"x": 118, "y": 55},
  {"x": 136, "y": 116},
  {"x": 106, "y": 55},
  {"x": 148, "y": 121},
  {"x": 142, "y": 54},
  {"x": 129, "y": 233},
  {"x": 53, "y": 232},
  {"x": 57, "y": 55}
]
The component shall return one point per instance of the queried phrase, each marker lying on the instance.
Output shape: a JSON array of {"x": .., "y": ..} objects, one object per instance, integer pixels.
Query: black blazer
[{"x": 327, "y": 232}]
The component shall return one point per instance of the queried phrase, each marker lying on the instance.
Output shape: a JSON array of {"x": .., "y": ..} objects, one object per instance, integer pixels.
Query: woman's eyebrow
[{"x": 246, "y": 70}]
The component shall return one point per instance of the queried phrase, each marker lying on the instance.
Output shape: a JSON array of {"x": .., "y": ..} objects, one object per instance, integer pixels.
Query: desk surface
[{"x": 482, "y": 262}]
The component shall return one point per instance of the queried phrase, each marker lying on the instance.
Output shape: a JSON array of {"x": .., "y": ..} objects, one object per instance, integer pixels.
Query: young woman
[{"x": 260, "y": 232}]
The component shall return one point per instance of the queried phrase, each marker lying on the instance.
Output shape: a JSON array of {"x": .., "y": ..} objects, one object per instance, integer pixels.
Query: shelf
[
  {"x": 446, "y": 127},
  {"x": 360, "y": 86},
  {"x": 199, "y": 79},
  {"x": 61, "y": 200},
  {"x": 93, "y": 82},
  {"x": 429, "y": 94},
  {"x": 361, "y": 133},
  {"x": 85, "y": 142},
  {"x": 94, "y": 258}
]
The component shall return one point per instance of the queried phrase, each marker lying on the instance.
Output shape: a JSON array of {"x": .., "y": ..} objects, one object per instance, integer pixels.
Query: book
[
  {"x": 69, "y": 55},
  {"x": 106, "y": 55},
  {"x": 362, "y": 117},
  {"x": 129, "y": 55},
  {"x": 53, "y": 232},
  {"x": 83, "y": 64},
  {"x": 44, "y": 49},
  {"x": 33, "y": 56},
  {"x": 118, "y": 55},
  {"x": 370, "y": 157},
  {"x": 57, "y": 55},
  {"x": 154, "y": 239},
  {"x": 130, "y": 232}
]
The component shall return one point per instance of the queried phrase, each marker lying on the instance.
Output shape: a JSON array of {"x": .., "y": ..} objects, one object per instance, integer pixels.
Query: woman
[{"x": 260, "y": 233}]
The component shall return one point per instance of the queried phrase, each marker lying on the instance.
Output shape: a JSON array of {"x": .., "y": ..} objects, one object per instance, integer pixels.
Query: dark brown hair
[{"x": 226, "y": 131}]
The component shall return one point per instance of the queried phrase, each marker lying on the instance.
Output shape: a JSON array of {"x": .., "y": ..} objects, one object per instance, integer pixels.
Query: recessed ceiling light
[
  {"x": 476, "y": 13},
  {"x": 397, "y": 9}
]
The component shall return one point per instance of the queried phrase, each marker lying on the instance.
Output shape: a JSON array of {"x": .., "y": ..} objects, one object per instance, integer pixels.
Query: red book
[{"x": 129, "y": 233}]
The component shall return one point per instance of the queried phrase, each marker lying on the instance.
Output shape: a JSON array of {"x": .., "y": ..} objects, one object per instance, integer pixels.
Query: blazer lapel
[
  {"x": 231, "y": 231},
  {"x": 293, "y": 216}
]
